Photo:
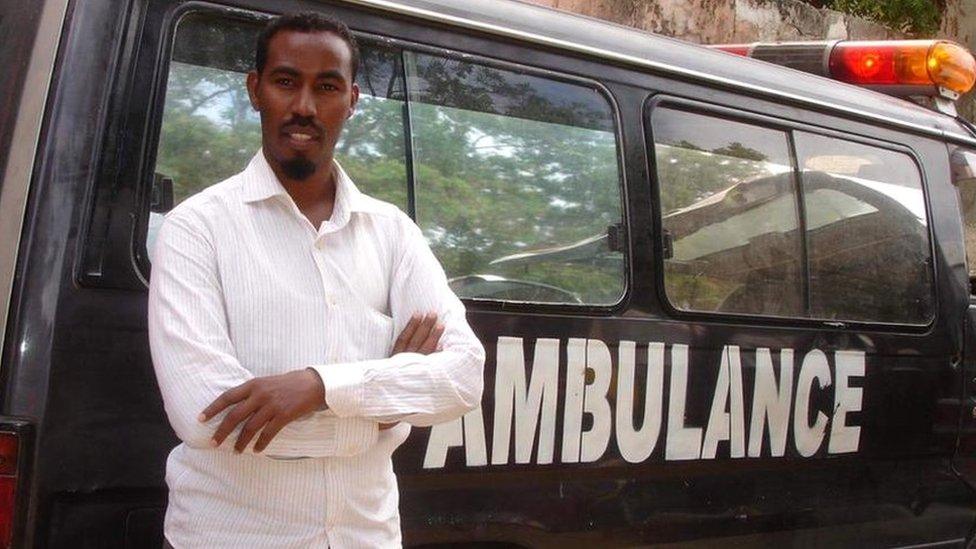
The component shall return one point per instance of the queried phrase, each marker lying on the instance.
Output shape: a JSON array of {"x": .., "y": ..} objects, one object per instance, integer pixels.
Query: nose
[{"x": 304, "y": 102}]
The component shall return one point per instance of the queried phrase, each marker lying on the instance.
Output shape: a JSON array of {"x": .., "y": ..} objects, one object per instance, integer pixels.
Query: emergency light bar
[{"x": 895, "y": 67}]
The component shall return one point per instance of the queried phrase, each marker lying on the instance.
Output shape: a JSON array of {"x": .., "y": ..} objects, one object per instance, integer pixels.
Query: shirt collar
[{"x": 261, "y": 183}]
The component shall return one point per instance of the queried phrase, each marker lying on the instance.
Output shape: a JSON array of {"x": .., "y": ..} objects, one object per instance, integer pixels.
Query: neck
[{"x": 315, "y": 195}]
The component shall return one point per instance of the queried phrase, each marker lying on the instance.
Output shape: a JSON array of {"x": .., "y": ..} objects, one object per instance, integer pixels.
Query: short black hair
[{"x": 305, "y": 22}]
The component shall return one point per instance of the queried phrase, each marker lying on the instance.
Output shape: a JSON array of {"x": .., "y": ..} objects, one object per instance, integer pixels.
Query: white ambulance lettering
[
  {"x": 442, "y": 438},
  {"x": 531, "y": 406},
  {"x": 573, "y": 409},
  {"x": 727, "y": 419},
  {"x": 510, "y": 391},
  {"x": 637, "y": 445},
  {"x": 475, "y": 447},
  {"x": 682, "y": 442},
  {"x": 809, "y": 437},
  {"x": 771, "y": 403},
  {"x": 467, "y": 431},
  {"x": 844, "y": 438},
  {"x": 594, "y": 442}
]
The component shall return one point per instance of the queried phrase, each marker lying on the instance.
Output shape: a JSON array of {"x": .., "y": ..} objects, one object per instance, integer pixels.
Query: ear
[
  {"x": 354, "y": 99},
  {"x": 252, "y": 89}
]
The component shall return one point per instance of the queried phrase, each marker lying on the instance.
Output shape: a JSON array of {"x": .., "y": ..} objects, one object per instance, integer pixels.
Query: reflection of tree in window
[
  {"x": 472, "y": 87},
  {"x": 730, "y": 215},
  {"x": 372, "y": 147},
  {"x": 703, "y": 172},
  {"x": 209, "y": 130},
  {"x": 512, "y": 169}
]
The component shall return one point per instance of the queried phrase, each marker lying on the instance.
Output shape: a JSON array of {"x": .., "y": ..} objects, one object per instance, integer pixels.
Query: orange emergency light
[{"x": 898, "y": 67}]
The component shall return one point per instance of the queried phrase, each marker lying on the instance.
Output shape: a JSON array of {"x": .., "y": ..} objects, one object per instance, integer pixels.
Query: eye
[
  {"x": 325, "y": 86},
  {"x": 284, "y": 81}
]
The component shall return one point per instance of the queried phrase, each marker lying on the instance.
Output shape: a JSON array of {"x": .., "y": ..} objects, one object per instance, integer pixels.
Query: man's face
[{"x": 304, "y": 95}]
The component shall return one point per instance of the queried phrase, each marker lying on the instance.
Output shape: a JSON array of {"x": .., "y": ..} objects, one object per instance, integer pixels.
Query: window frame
[
  {"x": 137, "y": 247},
  {"x": 970, "y": 276},
  {"x": 723, "y": 112},
  {"x": 149, "y": 143}
]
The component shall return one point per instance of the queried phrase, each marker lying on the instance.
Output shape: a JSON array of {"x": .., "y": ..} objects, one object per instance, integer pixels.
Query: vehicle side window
[
  {"x": 964, "y": 176},
  {"x": 517, "y": 182},
  {"x": 866, "y": 230},
  {"x": 209, "y": 130},
  {"x": 729, "y": 214},
  {"x": 736, "y": 239},
  {"x": 515, "y": 177}
]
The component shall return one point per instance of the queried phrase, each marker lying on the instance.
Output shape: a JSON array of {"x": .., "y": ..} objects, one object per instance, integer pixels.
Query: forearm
[
  {"x": 413, "y": 388},
  {"x": 187, "y": 389},
  {"x": 316, "y": 436}
]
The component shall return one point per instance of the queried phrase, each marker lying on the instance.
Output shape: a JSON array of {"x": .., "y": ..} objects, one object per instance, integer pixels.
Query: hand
[
  {"x": 422, "y": 334},
  {"x": 265, "y": 405}
]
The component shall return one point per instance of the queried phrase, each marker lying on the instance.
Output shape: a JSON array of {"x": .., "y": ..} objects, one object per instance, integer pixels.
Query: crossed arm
[
  {"x": 267, "y": 404},
  {"x": 434, "y": 374}
]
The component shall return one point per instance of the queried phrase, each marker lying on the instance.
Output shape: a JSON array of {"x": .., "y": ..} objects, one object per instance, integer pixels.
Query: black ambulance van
[{"x": 724, "y": 301}]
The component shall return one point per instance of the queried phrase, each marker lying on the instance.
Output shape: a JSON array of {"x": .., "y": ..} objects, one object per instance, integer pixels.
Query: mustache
[{"x": 302, "y": 122}]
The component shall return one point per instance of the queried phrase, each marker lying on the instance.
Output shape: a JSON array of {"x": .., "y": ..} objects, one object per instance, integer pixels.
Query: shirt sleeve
[
  {"x": 410, "y": 387},
  {"x": 195, "y": 360}
]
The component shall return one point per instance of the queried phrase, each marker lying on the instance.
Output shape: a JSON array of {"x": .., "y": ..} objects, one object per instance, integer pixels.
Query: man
[{"x": 273, "y": 305}]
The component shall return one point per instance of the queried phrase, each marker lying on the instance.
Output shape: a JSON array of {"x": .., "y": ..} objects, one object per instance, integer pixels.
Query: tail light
[
  {"x": 16, "y": 438},
  {"x": 9, "y": 453}
]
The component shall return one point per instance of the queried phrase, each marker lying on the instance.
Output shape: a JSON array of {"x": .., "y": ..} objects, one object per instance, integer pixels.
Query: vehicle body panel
[{"x": 77, "y": 359}]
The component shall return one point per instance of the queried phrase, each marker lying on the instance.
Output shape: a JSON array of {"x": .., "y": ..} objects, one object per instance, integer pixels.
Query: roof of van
[{"x": 659, "y": 54}]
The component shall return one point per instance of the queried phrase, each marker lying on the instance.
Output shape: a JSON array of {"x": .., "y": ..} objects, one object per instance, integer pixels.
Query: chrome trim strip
[
  {"x": 396, "y": 7},
  {"x": 23, "y": 146},
  {"x": 956, "y": 542}
]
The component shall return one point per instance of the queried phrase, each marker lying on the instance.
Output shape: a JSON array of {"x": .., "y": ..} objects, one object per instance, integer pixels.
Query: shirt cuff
[
  {"x": 343, "y": 387},
  {"x": 345, "y": 383}
]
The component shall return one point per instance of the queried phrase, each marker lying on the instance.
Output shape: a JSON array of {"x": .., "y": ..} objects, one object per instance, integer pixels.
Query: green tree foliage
[
  {"x": 914, "y": 17},
  {"x": 517, "y": 186},
  {"x": 372, "y": 150},
  {"x": 688, "y": 173},
  {"x": 508, "y": 164},
  {"x": 209, "y": 131}
]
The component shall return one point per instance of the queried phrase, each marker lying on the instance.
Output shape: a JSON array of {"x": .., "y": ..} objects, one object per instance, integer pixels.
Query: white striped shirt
[{"x": 244, "y": 286}]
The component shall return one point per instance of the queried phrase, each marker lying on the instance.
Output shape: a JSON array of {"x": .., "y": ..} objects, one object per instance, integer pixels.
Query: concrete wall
[
  {"x": 959, "y": 24},
  {"x": 724, "y": 21}
]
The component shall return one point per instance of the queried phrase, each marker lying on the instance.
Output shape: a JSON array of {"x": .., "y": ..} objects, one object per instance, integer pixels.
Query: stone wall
[
  {"x": 959, "y": 24},
  {"x": 727, "y": 21},
  {"x": 737, "y": 21}
]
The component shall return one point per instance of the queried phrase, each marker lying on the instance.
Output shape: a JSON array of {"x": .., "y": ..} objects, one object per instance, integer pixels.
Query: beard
[{"x": 298, "y": 169}]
